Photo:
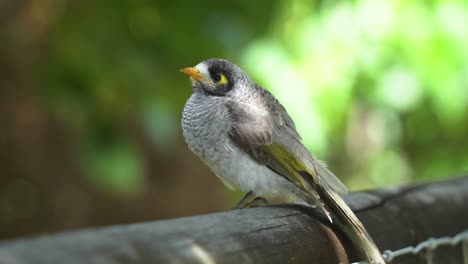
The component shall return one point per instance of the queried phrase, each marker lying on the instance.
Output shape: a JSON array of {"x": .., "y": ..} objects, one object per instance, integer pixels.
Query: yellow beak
[{"x": 194, "y": 73}]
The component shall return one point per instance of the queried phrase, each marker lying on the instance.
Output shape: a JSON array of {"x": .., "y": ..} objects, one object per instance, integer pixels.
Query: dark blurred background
[{"x": 91, "y": 99}]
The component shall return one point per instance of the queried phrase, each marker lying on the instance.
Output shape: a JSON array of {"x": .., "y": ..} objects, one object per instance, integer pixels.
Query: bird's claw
[{"x": 250, "y": 201}]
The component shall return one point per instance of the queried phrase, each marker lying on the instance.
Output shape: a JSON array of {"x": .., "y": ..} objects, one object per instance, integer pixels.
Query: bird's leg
[
  {"x": 248, "y": 198},
  {"x": 258, "y": 201}
]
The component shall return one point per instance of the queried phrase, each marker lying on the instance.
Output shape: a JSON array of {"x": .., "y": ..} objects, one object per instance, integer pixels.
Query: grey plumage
[
  {"x": 250, "y": 142},
  {"x": 206, "y": 126},
  {"x": 228, "y": 131}
]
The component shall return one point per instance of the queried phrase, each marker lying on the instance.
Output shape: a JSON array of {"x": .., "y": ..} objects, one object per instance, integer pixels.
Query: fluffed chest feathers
[{"x": 206, "y": 126}]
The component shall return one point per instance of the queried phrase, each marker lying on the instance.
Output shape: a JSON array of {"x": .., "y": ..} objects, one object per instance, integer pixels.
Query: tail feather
[{"x": 348, "y": 222}]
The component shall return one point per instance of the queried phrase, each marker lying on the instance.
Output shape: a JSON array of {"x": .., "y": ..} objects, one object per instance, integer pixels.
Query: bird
[{"x": 250, "y": 142}]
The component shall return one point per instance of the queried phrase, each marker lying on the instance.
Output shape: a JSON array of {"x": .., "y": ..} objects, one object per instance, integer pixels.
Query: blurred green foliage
[
  {"x": 379, "y": 89},
  {"x": 113, "y": 61},
  {"x": 379, "y": 86}
]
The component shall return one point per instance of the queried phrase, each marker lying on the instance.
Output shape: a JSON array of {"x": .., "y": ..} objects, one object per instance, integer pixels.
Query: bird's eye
[{"x": 219, "y": 78}]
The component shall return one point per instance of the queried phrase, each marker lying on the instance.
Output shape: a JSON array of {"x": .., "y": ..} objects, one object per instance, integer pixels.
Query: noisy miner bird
[{"x": 249, "y": 141}]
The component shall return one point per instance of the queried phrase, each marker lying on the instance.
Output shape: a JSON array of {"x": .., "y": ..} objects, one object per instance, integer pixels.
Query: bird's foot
[
  {"x": 257, "y": 202},
  {"x": 250, "y": 201},
  {"x": 244, "y": 201}
]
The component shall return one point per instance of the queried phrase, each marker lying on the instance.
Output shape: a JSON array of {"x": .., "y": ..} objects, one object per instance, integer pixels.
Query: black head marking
[{"x": 219, "y": 67}]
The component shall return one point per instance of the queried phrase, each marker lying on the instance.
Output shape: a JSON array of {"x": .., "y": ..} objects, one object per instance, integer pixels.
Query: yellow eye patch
[{"x": 222, "y": 80}]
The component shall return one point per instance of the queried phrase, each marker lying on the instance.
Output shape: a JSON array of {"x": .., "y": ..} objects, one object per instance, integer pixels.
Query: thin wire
[{"x": 429, "y": 246}]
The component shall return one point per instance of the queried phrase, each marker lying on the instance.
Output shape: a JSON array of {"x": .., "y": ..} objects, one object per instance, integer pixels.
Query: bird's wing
[
  {"x": 266, "y": 131},
  {"x": 253, "y": 130}
]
